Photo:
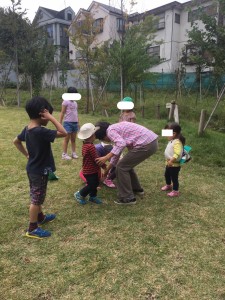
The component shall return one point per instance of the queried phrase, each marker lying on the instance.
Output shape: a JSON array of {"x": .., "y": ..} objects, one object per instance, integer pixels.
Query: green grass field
[{"x": 159, "y": 248}]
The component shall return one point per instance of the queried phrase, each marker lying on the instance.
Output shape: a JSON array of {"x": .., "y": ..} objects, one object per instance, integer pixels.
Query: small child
[
  {"x": 90, "y": 168},
  {"x": 173, "y": 155},
  {"x": 127, "y": 115},
  {"x": 71, "y": 123},
  {"x": 40, "y": 160},
  {"x": 102, "y": 150}
]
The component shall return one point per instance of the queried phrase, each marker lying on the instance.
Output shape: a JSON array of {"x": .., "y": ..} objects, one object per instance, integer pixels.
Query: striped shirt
[
  {"x": 130, "y": 135},
  {"x": 89, "y": 154}
]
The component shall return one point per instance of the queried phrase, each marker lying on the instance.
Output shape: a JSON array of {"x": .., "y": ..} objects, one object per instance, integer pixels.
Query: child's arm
[
  {"x": 19, "y": 145},
  {"x": 61, "y": 132},
  {"x": 62, "y": 113},
  {"x": 177, "y": 151}
]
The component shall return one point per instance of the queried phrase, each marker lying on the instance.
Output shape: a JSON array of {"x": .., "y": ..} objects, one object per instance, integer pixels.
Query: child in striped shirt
[{"x": 90, "y": 168}]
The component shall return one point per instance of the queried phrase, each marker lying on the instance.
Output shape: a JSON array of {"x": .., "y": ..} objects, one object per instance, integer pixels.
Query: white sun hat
[{"x": 86, "y": 131}]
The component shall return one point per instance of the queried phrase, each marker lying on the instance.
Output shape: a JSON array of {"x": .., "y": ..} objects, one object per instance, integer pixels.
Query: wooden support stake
[{"x": 202, "y": 122}]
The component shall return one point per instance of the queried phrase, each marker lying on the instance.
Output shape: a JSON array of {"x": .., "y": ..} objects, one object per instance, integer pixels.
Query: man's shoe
[
  {"x": 166, "y": 188},
  {"x": 38, "y": 233},
  {"x": 95, "y": 200},
  {"x": 139, "y": 192},
  {"x": 79, "y": 198},
  {"x": 48, "y": 218},
  {"x": 173, "y": 194},
  {"x": 125, "y": 201}
]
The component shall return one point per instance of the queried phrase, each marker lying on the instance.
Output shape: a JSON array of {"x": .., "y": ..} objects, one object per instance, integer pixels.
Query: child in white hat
[{"x": 90, "y": 168}]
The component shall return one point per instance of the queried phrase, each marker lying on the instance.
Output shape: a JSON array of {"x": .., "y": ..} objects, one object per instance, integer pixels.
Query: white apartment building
[{"x": 174, "y": 22}]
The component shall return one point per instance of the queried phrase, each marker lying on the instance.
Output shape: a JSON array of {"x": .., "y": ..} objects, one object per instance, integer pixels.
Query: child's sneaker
[
  {"x": 65, "y": 156},
  {"x": 38, "y": 233},
  {"x": 109, "y": 183},
  {"x": 48, "y": 218},
  {"x": 173, "y": 194},
  {"x": 95, "y": 200},
  {"x": 74, "y": 155},
  {"x": 166, "y": 188},
  {"x": 79, "y": 198}
]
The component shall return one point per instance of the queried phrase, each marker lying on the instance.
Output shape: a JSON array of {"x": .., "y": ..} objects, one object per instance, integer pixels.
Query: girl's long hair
[{"x": 177, "y": 129}]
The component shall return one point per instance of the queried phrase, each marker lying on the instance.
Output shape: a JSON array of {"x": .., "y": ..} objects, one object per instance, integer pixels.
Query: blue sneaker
[
  {"x": 38, "y": 233},
  {"x": 95, "y": 200},
  {"x": 79, "y": 198},
  {"x": 48, "y": 218}
]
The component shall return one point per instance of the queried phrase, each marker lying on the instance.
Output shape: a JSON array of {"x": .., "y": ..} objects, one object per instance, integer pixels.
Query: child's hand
[
  {"x": 101, "y": 160},
  {"x": 45, "y": 115},
  {"x": 169, "y": 163}
]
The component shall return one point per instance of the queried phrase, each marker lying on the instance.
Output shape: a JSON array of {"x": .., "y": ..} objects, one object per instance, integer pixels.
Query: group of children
[{"x": 140, "y": 142}]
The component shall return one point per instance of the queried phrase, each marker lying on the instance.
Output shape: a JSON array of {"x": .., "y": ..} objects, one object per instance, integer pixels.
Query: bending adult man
[{"x": 141, "y": 144}]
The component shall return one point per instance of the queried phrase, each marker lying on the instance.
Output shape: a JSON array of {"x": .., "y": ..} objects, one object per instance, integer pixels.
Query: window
[
  {"x": 154, "y": 52},
  {"x": 98, "y": 26},
  {"x": 195, "y": 15},
  {"x": 78, "y": 54},
  {"x": 61, "y": 31},
  {"x": 69, "y": 17},
  {"x": 191, "y": 52},
  {"x": 177, "y": 18},
  {"x": 120, "y": 25},
  {"x": 49, "y": 29},
  {"x": 161, "y": 21}
]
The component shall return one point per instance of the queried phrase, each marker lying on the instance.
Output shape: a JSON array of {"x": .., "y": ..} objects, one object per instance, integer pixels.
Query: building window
[
  {"x": 98, "y": 25},
  {"x": 154, "y": 52},
  {"x": 161, "y": 21},
  {"x": 177, "y": 18},
  {"x": 191, "y": 52},
  {"x": 49, "y": 29},
  {"x": 61, "y": 31},
  {"x": 78, "y": 54},
  {"x": 195, "y": 15},
  {"x": 69, "y": 17},
  {"x": 120, "y": 25}
]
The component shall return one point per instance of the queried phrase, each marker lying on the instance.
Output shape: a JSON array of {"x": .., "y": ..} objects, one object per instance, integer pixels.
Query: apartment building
[{"x": 175, "y": 19}]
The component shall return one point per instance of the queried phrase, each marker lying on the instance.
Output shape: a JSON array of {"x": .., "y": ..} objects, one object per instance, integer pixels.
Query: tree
[
  {"x": 208, "y": 44},
  {"x": 36, "y": 57},
  {"x": 12, "y": 33},
  {"x": 83, "y": 37},
  {"x": 26, "y": 45}
]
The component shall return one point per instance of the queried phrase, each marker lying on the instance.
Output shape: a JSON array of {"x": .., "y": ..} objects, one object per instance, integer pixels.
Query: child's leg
[
  {"x": 38, "y": 188},
  {"x": 65, "y": 143},
  {"x": 33, "y": 214},
  {"x": 73, "y": 141},
  {"x": 168, "y": 175},
  {"x": 93, "y": 183},
  {"x": 174, "y": 176}
]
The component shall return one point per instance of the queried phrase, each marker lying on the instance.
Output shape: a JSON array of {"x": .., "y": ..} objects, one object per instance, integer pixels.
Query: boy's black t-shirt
[{"x": 38, "y": 142}]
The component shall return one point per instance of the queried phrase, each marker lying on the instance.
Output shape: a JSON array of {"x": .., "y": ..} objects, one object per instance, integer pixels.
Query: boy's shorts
[
  {"x": 71, "y": 126},
  {"x": 38, "y": 188}
]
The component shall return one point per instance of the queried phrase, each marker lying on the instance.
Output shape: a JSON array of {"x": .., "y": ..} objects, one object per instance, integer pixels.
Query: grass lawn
[{"x": 159, "y": 248}]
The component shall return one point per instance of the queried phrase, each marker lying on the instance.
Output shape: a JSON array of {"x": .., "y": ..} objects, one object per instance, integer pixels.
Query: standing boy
[{"x": 40, "y": 159}]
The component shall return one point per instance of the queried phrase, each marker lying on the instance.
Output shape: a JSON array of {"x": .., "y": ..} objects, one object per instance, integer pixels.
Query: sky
[{"x": 32, "y": 6}]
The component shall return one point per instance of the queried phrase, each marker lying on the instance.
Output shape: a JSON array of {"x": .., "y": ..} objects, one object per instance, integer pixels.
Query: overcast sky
[{"x": 32, "y": 5}]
